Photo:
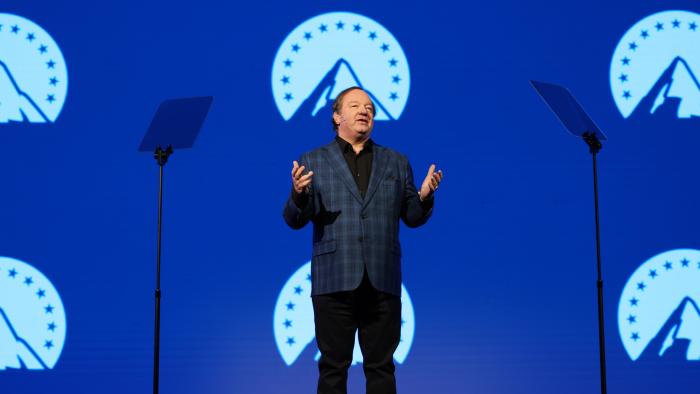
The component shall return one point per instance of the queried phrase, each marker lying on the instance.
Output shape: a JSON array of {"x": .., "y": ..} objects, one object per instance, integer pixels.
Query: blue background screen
[{"x": 501, "y": 279}]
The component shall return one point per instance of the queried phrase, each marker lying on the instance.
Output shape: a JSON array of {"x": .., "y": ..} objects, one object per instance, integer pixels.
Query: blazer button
[
  {"x": 364, "y": 216},
  {"x": 359, "y": 239}
]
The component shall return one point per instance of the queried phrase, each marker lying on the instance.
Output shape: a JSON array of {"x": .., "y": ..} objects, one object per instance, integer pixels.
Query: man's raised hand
[
  {"x": 299, "y": 181},
  {"x": 431, "y": 182}
]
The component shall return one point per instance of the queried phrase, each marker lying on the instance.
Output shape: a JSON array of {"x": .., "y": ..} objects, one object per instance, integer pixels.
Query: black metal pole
[
  {"x": 161, "y": 157},
  {"x": 595, "y": 146}
]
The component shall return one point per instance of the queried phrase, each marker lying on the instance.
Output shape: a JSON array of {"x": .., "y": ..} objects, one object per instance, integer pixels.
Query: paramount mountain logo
[
  {"x": 331, "y": 52},
  {"x": 32, "y": 318},
  {"x": 33, "y": 75},
  {"x": 658, "y": 314},
  {"x": 655, "y": 68},
  {"x": 294, "y": 329},
  {"x": 341, "y": 76},
  {"x": 675, "y": 339},
  {"x": 19, "y": 105},
  {"x": 675, "y": 94}
]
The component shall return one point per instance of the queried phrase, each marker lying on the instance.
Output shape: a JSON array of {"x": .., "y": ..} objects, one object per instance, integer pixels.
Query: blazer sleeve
[
  {"x": 295, "y": 215},
  {"x": 414, "y": 212}
]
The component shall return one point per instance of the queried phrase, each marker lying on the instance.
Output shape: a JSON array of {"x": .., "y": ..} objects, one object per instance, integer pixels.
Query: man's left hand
[{"x": 430, "y": 183}]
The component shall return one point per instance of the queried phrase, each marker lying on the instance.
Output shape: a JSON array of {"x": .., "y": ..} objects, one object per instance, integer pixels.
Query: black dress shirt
[{"x": 360, "y": 164}]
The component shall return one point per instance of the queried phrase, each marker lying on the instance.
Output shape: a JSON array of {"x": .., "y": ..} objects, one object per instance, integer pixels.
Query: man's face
[{"x": 355, "y": 120}]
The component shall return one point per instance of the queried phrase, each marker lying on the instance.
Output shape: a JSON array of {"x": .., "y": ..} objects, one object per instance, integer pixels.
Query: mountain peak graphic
[
  {"x": 15, "y": 105},
  {"x": 675, "y": 94},
  {"x": 679, "y": 337},
  {"x": 15, "y": 352},
  {"x": 341, "y": 76}
]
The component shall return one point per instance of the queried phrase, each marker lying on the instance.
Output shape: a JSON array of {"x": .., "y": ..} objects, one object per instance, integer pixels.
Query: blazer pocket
[{"x": 323, "y": 247}]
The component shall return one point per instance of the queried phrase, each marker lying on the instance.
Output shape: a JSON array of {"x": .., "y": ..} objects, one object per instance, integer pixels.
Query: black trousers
[{"x": 377, "y": 316}]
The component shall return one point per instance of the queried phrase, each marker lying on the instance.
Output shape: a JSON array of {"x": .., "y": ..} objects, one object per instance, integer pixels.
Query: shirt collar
[{"x": 345, "y": 146}]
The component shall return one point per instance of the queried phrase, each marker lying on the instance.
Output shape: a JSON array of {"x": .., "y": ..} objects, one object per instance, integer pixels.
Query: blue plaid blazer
[{"x": 351, "y": 232}]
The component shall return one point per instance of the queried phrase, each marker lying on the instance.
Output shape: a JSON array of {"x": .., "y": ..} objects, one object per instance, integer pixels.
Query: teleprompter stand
[
  {"x": 578, "y": 123},
  {"x": 175, "y": 125}
]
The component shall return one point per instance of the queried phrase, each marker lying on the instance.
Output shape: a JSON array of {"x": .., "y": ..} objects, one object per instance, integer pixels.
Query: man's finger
[
  {"x": 294, "y": 167},
  {"x": 431, "y": 170},
  {"x": 298, "y": 172},
  {"x": 307, "y": 176},
  {"x": 437, "y": 177},
  {"x": 304, "y": 183}
]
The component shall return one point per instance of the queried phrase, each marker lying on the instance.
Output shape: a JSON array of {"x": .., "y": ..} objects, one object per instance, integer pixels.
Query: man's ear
[{"x": 337, "y": 118}]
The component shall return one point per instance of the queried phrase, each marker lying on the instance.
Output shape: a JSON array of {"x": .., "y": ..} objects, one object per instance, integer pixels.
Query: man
[{"x": 354, "y": 192}]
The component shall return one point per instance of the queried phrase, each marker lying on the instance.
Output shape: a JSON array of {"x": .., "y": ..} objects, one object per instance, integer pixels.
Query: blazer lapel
[
  {"x": 340, "y": 166},
  {"x": 380, "y": 159}
]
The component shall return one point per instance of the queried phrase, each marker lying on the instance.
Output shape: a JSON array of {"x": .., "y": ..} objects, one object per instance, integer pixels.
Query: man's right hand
[{"x": 299, "y": 181}]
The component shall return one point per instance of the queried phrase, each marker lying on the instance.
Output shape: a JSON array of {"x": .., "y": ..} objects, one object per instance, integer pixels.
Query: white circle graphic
[
  {"x": 656, "y": 65},
  {"x": 658, "y": 312},
  {"x": 33, "y": 74},
  {"x": 32, "y": 318},
  {"x": 334, "y": 51},
  {"x": 293, "y": 320}
]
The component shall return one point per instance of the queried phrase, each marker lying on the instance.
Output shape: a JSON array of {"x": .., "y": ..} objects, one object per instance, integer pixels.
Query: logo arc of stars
[
  {"x": 653, "y": 274},
  {"x": 644, "y": 34},
  {"x": 40, "y": 293},
  {"x": 340, "y": 25},
  {"x": 43, "y": 49},
  {"x": 290, "y": 307}
]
